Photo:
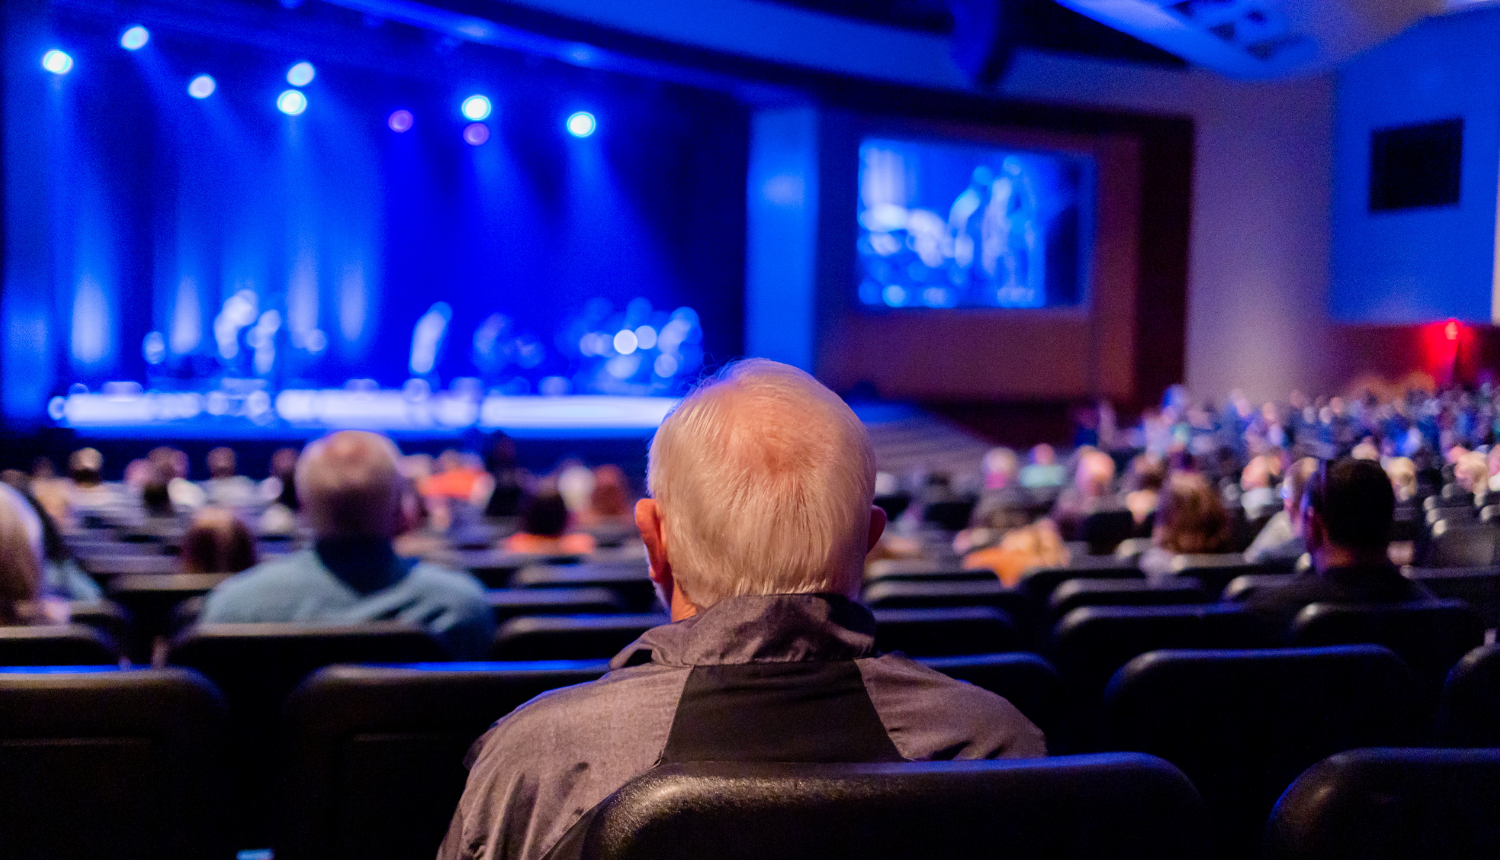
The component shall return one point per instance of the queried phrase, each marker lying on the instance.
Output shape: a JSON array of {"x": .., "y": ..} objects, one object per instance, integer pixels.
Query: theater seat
[
  {"x": 945, "y": 632},
  {"x": 1215, "y": 571},
  {"x": 1243, "y": 724},
  {"x": 1125, "y": 592},
  {"x": 1240, "y": 588},
  {"x": 1025, "y": 680},
  {"x": 630, "y": 580},
  {"x": 1391, "y": 804},
  {"x": 117, "y": 764},
  {"x": 152, "y": 599},
  {"x": 913, "y": 594},
  {"x": 1477, "y": 586},
  {"x": 509, "y": 603},
  {"x": 1096, "y": 807},
  {"x": 1469, "y": 715},
  {"x": 257, "y": 666},
  {"x": 1431, "y": 637},
  {"x": 1103, "y": 531},
  {"x": 1039, "y": 582},
  {"x": 56, "y": 645},
  {"x": 925, "y": 570},
  {"x": 374, "y": 762},
  {"x": 1455, "y": 544},
  {"x": 578, "y": 637},
  {"x": 105, "y": 616},
  {"x": 1091, "y": 643}
]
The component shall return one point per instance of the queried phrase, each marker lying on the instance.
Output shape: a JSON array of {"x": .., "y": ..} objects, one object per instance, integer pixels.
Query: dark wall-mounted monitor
[{"x": 1416, "y": 166}]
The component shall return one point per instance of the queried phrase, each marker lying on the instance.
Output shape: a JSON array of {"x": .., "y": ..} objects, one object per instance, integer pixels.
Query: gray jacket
[{"x": 784, "y": 678}]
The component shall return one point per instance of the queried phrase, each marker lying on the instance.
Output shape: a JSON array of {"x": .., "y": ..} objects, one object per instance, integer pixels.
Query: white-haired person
[
  {"x": 760, "y": 516},
  {"x": 350, "y": 496}
]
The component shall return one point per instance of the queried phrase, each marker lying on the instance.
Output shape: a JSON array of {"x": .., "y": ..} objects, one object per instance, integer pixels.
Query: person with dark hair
[
  {"x": 1190, "y": 520},
  {"x": 225, "y": 486},
  {"x": 217, "y": 542},
  {"x": 544, "y": 527},
  {"x": 1347, "y": 512},
  {"x": 510, "y": 479},
  {"x": 1280, "y": 539}
]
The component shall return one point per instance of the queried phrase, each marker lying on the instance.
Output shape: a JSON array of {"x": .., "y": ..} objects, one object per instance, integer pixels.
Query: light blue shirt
[{"x": 373, "y": 585}]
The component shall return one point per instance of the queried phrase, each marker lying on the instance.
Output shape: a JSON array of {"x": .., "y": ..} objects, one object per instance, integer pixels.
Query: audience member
[
  {"x": 1143, "y": 483},
  {"x": 350, "y": 494},
  {"x": 280, "y": 491},
  {"x": 22, "y": 599},
  {"x": 217, "y": 542},
  {"x": 225, "y": 486},
  {"x": 52, "y": 491},
  {"x": 1403, "y": 474},
  {"x": 1091, "y": 492},
  {"x": 173, "y": 463},
  {"x": 761, "y": 518},
  {"x": 156, "y": 495},
  {"x": 1020, "y": 550},
  {"x": 1257, "y": 495},
  {"x": 1280, "y": 540},
  {"x": 1472, "y": 473},
  {"x": 62, "y": 578},
  {"x": 88, "y": 493},
  {"x": 510, "y": 479},
  {"x": 1190, "y": 520},
  {"x": 1043, "y": 471},
  {"x": 544, "y": 527},
  {"x": 1346, "y": 513}
]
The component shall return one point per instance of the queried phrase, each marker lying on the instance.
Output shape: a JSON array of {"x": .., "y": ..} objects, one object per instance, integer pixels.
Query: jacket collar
[{"x": 781, "y": 628}]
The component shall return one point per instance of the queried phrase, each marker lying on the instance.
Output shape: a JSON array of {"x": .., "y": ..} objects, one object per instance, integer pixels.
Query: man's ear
[
  {"x": 648, "y": 521},
  {"x": 877, "y": 527}
]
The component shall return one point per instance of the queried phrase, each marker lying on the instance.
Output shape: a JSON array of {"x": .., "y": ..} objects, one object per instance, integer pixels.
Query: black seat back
[
  {"x": 916, "y": 594},
  {"x": 1391, "y": 803},
  {"x": 1243, "y": 724},
  {"x": 1216, "y": 571},
  {"x": 949, "y": 515},
  {"x": 1455, "y": 544},
  {"x": 257, "y": 666},
  {"x": 152, "y": 599},
  {"x": 576, "y": 637},
  {"x": 1125, "y": 592},
  {"x": 1103, "y": 531},
  {"x": 509, "y": 603},
  {"x": 1039, "y": 582},
  {"x": 1431, "y": 637},
  {"x": 56, "y": 645},
  {"x": 1025, "y": 680},
  {"x": 925, "y": 570},
  {"x": 125, "y": 764},
  {"x": 630, "y": 580},
  {"x": 945, "y": 632},
  {"x": 1091, "y": 643},
  {"x": 1469, "y": 715},
  {"x": 374, "y": 756},
  {"x": 1240, "y": 588},
  {"x": 107, "y": 617},
  {"x": 1477, "y": 586},
  {"x": 1098, "y": 807}
]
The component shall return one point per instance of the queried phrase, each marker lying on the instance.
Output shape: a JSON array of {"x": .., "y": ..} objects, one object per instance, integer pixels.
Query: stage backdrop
[{"x": 220, "y": 244}]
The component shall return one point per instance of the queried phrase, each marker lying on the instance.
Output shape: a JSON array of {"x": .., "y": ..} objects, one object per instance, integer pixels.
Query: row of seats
[{"x": 366, "y": 761}]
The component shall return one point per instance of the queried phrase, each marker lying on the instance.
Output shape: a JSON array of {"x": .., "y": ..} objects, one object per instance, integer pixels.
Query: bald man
[
  {"x": 350, "y": 495},
  {"x": 757, "y": 529}
]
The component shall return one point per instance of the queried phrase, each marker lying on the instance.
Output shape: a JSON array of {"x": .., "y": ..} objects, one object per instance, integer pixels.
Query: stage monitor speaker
[{"x": 983, "y": 39}]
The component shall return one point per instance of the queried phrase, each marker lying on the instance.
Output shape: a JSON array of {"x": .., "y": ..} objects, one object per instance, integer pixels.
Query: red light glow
[{"x": 1450, "y": 330}]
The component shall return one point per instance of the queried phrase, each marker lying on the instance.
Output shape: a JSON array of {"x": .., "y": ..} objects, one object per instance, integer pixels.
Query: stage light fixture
[
  {"x": 400, "y": 121},
  {"x": 202, "y": 87},
  {"x": 476, "y": 108},
  {"x": 135, "y": 38},
  {"x": 476, "y": 133},
  {"x": 291, "y": 102},
  {"x": 57, "y": 62},
  {"x": 582, "y": 124},
  {"x": 301, "y": 74}
]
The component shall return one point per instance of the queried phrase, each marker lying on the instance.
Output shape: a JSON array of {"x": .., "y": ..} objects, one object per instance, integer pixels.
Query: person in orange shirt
[{"x": 544, "y": 527}]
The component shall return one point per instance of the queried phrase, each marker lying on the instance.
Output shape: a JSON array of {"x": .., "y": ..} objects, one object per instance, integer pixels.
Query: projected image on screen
[{"x": 945, "y": 225}]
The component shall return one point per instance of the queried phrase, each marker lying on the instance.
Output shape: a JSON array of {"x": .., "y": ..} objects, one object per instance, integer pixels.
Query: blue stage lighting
[
  {"x": 582, "y": 124},
  {"x": 301, "y": 74},
  {"x": 476, "y": 133},
  {"x": 476, "y": 108},
  {"x": 400, "y": 121},
  {"x": 57, "y": 62},
  {"x": 135, "y": 38},
  {"x": 291, "y": 102},
  {"x": 202, "y": 87}
]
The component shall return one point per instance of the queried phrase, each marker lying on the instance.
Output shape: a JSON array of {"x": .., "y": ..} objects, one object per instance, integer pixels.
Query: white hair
[{"x": 764, "y": 479}]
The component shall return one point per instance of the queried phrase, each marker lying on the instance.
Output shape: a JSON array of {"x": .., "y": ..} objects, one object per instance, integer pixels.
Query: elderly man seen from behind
[
  {"x": 351, "y": 498},
  {"x": 762, "y": 482}
]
